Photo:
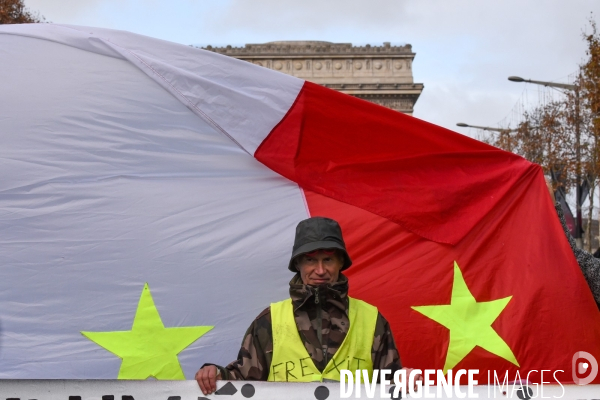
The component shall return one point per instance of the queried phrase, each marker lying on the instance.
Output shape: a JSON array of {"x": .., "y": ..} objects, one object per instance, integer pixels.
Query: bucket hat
[{"x": 318, "y": 233}]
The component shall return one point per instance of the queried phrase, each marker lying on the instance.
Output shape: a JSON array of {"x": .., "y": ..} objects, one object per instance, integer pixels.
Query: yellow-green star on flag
[
  {"x": 148, "y": 349},
  {"x": 469, "y": 322}
]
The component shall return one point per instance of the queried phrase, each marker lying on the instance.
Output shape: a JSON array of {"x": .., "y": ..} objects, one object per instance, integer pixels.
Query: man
[{"x": 319, "y": 330}]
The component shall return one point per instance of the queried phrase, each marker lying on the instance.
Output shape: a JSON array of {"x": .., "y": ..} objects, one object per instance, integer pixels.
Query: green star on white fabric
[{"x": 148, "y": 349}]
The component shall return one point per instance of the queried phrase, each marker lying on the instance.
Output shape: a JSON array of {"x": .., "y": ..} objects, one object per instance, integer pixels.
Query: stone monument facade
[{"x": 379, "y": 74}]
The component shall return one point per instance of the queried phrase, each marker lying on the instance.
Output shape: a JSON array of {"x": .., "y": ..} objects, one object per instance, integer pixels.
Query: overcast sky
[{"x": 465, "y": 48}]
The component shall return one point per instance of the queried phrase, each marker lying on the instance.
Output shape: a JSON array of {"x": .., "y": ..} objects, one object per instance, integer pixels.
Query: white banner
[{"x": 241, "y": 390}]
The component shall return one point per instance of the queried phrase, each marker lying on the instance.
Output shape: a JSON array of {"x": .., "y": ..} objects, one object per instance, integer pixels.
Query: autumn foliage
[
  {"x": 15, "y": 12},
  {"x": 563, "y": 136}
]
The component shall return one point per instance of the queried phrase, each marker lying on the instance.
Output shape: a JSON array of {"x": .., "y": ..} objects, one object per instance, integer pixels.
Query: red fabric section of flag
[
  {"x": 435, "y": 182},
  {"x": 518, "y": 250},
  {"x": 412, "y": 198}
]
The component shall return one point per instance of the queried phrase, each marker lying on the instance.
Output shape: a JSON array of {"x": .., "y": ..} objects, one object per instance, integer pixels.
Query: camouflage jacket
[
  {"x": 256, "y": 353},
  {"x": 589, "y": 265}
]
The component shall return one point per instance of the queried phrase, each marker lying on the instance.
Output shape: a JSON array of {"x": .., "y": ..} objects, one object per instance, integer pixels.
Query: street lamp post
[
  {"x": 504, "y": 133},
  {"x": 544, "y": 83},
  {"x": 486, "y": 128},
  {"x": 579, "y": 200}
]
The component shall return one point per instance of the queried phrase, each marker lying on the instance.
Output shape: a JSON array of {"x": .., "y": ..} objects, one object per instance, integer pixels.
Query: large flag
[{"x": 149, "y": 198}]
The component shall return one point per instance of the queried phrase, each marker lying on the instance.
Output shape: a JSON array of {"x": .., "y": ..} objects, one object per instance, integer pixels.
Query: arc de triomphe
[{"x": 379, "y": 74}]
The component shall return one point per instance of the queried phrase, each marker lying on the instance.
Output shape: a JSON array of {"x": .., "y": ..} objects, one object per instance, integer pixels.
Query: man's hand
[{"x": 207, "y": 378}]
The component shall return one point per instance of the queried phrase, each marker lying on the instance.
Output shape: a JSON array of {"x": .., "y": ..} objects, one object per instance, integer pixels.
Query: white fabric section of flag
[
  {"x": 108, "y": 182},
  {"x": 218, "y": 88}
]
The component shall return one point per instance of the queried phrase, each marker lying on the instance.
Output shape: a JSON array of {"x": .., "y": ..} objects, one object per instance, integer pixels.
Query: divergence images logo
[{"x": 581, "y": 368}]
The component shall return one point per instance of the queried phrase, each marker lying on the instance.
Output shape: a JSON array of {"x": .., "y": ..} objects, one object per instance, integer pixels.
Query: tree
[
  {"x": 563, "y": 136},
  {"x": 590, "y": 112},
  {"x": 543, "y": 137},
  {"x": 15, "y": 12}
]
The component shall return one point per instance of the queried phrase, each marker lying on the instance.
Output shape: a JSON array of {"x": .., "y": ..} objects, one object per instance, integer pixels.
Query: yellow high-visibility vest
[{"x": 292, "y": 363}]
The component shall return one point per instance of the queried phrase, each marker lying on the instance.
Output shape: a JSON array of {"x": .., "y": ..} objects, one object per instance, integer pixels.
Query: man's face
[{"x": 320, "y": 267}]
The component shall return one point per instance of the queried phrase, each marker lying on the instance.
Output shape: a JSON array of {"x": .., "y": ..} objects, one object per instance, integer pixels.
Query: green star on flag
[
  {"x": 469, "y": 322},
  {"x": 148, "y": 349}
]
